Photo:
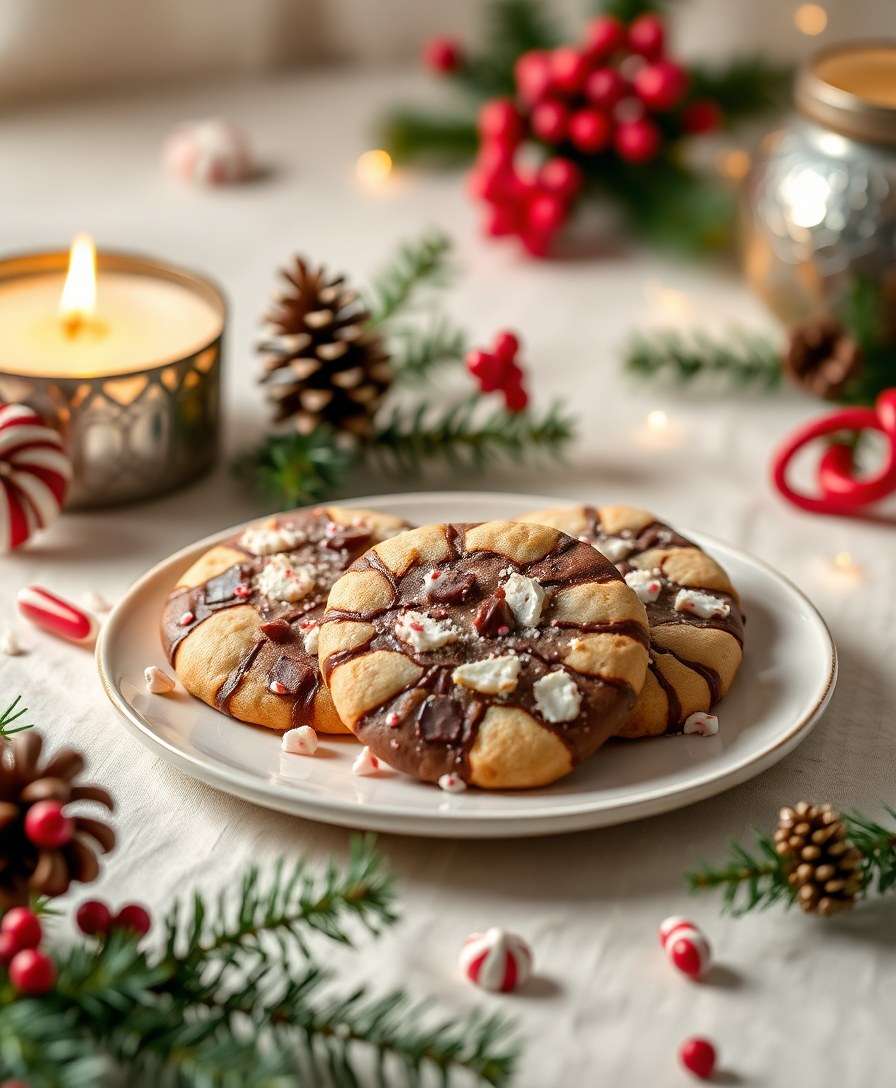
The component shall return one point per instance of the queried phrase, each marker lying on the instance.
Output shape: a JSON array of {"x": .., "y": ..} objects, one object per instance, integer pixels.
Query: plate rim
[{"x": 390, "y": 817}]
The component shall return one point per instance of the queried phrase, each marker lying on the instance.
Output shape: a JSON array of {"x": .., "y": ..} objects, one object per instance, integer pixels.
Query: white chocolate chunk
[
  {"x": 422, "y": 632},
  {"x": 301, "y": 741},
  {"x": 310, "y": 636},
  {"x": 646, "y": 584},
  {"x": 431, "y": 579},
  {"x": 700, "y": 604},
  {"x": 452, "y": 783},
  {"x": 272, "y": 538},
  {"x": 366, "y": 764},
  {"x": 525, "y": 596},
  {"x": 557, "y": 697},
  {"x": 158, "y": 682},
  {"x": 491, "y": 676},
  {"x": 615, "y": 548},
  {"x": 281, "y": 580},
  {"x": 701, "y": 724}
]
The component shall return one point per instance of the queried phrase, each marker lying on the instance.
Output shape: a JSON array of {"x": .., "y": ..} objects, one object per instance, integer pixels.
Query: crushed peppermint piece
[
  {"x": 422, "y": 632},
  {"x": 393, "y": 720},
  {"x": 525, "y": 596},
  {"x": 271, "y": 538},
  {"x": 10, "y": 644},
  {"x": 557, "y": 697},
  {"x": 701, "y": 724},
  {"x": 158, "y": 682},
  {"x": 491, "y": 676},
  {"x": 615, "y": 548},
  {"x": 186, "y": 618},
  {"x": 366, "y": 763},
  {"x": 281, "y": 580},
  {"x": 704, "y": 605},
  {"x": 278, "y": 687},
  {"x": 647, "y": 584},
  {"x": 452, "y": 783},
  {"x": 310, "y": 637},
  {"x": 430, "y": 579},
  {"x": 301, "y": 741},
  {"x": 242, "y": 590}
]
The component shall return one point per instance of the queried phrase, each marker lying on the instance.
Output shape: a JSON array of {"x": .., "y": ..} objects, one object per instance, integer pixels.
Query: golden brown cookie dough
[
  {"x": 501, "y": 653},
  {"x": 241, "y": 626},
  {"x": 696, "y": 624}
]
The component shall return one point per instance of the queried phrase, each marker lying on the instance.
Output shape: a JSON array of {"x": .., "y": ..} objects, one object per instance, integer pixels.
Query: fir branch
[
  {"x": 741, "y": 359},
  {"x": 424, "y": 262},
  {"x": 744, "y": 88},
  {"x": 748, "y": 881},
  {"x": 413, "y": 135},
  {"x": 407, "y": 438},
  {"x": 10, "y": 716},
  {"x": 877, "y": 843},
  {"x": 293, "y": 469},
  {"x": 416, "y": 353},
  {"x": 629, "y": 10}
]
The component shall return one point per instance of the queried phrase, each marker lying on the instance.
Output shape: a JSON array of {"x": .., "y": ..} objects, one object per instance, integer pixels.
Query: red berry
[
  {"x": 500, "y": 220},
  {"x": 568, "y": 69},
  {"x": 532, "y": 73},
  {"x": 23, "y": 926},
  {"x": 637, "y": 141},
  {"x": 8, "y": 947},
  {"x": 604, "y": 36},
  {"x": 546, "y": 213},
  {"x": 685, "y": 955},
  {"x": 499, "y": 120},
  {"x": 515, "y": 398},
  {"x": 536, "y": 243},
  {"x": 46, "y": 824},
  {"x": 512, "y": 374},
  {"x": 589, "y": 130},
  {"x": 133, "y": 917},
  {"x": 560, "y": 176},
  {"x": 549, "y": 120},
  {"x": 506, "y": 345},
  {"x": 485, "y": 368},
  {"x": 442, "y": 55},
  {"x": 14, "y": 1084},
  {"x": 660, "y": 86},
  {"x": 32, "y": 972},
  {"x": 604, "y": 87},
  {"x": 703, "y": 115},
  {"x": 647, "y": 36},
  {"x": 93, "y": 917},
  {"x": 698, "y": 1056}
]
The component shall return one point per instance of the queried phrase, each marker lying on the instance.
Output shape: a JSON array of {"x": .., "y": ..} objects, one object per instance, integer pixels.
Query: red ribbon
[{"x": 841, "y": 492}]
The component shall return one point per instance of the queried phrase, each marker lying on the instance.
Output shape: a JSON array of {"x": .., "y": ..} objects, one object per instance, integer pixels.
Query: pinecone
[
  {"x": 27, "y": 869},
  {"x": 822, "y": 357},
  {"x": 321, "y": 363},
  {"x": 824, "y": 864}
]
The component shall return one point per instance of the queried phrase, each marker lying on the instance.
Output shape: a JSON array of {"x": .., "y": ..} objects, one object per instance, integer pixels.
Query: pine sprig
[
  {"x": 416, "y": 353},
  {"x": 414, "y": 135},
  {"x": 744, "y": 87},
  {"x": 294, "y": 469},
  {"x": 423, "y": 262},
  {"x": 10, "y": 716},
  {"x": 877, "y": 843},
  {"x": 749, "y": 880},
  {"x": 740, "y": 359},
  {"x": 408, "y": 438}
]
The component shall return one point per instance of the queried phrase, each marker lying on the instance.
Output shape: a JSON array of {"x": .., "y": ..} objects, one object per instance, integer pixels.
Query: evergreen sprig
[
  {"x": 233, "y": 996},
  {"x": 423, "y": 262},
  {"x": 740, "y": 358},
  {"x": 416, "y": 353},
  {"x": 744, "y": 87},
  {"x": 297, "y": 468},
  {"x": 10, "y": 716}
]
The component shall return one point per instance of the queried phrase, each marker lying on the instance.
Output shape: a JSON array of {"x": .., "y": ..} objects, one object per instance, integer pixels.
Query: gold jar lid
[{"x": 851, "y": 88}]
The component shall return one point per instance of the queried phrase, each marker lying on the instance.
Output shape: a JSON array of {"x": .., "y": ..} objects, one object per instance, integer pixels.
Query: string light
[
  {"x": 810, "y": 19},
  {"x": 373, "y": 168},
  {"x": 657, "y": 420},
  {"x": 658, "y": 431},
  {"x": 734, "y": 164}
]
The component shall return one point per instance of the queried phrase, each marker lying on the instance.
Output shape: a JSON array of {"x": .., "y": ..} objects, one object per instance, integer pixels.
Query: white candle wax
[{"x": 140, "y": 322}]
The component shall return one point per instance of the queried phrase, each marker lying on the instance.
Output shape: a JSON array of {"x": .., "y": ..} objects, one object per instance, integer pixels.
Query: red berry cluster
[
  {"x": 497, "y": 371},
  {"x": 30, "y": 970},
  {"x": 95, "y": 919},
  {"x": 443, "y": 55},
  {"x": 616, "y": 94}
]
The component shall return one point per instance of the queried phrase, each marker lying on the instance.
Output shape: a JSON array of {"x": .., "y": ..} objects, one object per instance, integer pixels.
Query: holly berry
[
  {"x": 500, "y": 220},
  {"x": 485, "y": 368},
  {"x": 32, "y": 972},
  {"x": 569, "y": 68},
  {"x": 704, "y": 115},
  {"x": 604, "y": 87},
  {"x": 546, "y": 213},
  {"x": 499, "y": 120},
  {"x": 134, "y": 918},
  {"x": 589, "y": 130},
  {"x": 698, "y": 1056},
  {"x": 647, "y": 37},
  {"x": 532, "y": 73},
  {"x": 515, "y": 398},
  {"x": 8, "y": 947},
  {"x": 536, "y": 243},
  {"x": 637, "y": 141},
  {"x": 604, "y": 36},
  {"x": 549, "y": 120},
  {"x": 506, "y": 345},
  {"x": 442, "y": 55},
  {"x": 93, "y": 917},
  {"x": 660, "y": 86},
  {"x": 23, "y": 926},
  {"x": 560, "y": 176},
  {"x": 47, "y": 825}
]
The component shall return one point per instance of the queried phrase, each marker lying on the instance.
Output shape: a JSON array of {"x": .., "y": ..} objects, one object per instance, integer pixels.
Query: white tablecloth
[{"x": 797, "y": 1001}]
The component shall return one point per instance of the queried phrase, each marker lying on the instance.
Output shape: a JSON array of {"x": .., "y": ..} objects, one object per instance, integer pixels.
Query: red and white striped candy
[
  {"x": 34, "y": 475},
  {"x": 685, "y": 946},
  {"x": 55, "y": 614},
  {"x": 496, "y": 960}
]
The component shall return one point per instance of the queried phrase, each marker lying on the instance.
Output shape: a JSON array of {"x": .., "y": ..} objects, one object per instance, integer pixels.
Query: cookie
[
  {"x": 503, "y": 654},
  {"x": 241, "y": 626},
  {"x": 696, "y": 623}
]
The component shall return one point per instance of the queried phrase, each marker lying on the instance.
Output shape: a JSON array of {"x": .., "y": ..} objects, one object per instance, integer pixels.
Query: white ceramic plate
[{"x": 784, "y": 684}]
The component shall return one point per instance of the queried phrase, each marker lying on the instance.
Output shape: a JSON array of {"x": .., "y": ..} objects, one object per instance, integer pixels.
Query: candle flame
[{"x": 78, "y": 301}]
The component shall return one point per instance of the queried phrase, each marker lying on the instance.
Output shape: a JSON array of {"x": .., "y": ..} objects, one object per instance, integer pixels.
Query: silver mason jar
[{"x": 820, "y": 200}]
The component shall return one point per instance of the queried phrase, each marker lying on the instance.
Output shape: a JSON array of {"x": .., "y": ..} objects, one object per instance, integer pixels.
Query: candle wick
[{"x": 73, "y": 324}]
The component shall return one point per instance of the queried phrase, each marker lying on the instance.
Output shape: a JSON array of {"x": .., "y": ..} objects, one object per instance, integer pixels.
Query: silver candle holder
[{"x": 138, "y": 433}]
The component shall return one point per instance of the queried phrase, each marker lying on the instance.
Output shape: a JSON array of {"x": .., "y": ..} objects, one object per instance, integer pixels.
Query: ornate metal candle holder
[{"x": 138, "y": 433}]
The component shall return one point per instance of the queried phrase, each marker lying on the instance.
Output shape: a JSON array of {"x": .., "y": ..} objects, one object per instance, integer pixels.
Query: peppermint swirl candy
[{"x": 34, "y": 475}]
